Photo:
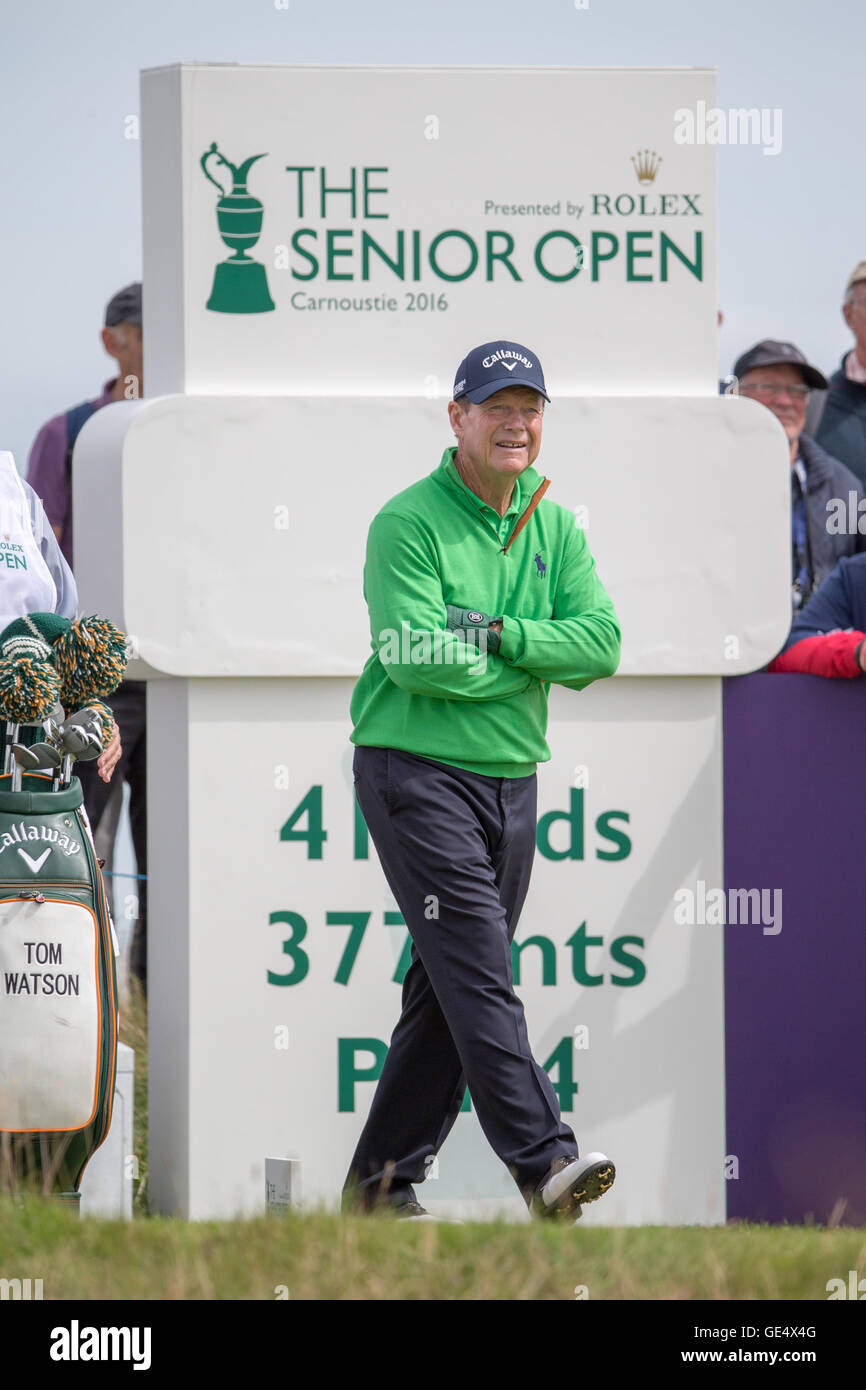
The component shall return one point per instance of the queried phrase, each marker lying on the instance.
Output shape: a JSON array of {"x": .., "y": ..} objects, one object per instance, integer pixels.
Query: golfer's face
[{"x": 504, "y": 432}]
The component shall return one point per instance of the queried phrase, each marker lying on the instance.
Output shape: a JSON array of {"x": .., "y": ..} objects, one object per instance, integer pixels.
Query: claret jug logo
[{"x": 240, "y": 284}]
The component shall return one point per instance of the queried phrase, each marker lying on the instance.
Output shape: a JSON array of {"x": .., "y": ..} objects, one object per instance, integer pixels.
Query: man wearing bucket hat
[
  {"x": 480, "y": 596},
  {"x": 779, "y": 376}
]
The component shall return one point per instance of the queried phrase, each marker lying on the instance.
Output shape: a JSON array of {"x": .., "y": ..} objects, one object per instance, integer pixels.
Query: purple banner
[{"x": 795, "y": 1001}]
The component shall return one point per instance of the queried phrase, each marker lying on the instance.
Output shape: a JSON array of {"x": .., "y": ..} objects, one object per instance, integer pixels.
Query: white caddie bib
[{"x": 26, "y": 585}]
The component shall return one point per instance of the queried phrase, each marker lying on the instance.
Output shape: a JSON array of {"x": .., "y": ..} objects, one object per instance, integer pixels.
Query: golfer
[{"x": 480, "y": 595}]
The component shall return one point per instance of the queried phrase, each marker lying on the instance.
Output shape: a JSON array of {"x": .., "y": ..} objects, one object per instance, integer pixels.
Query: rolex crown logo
[{"x": 646, "y": 165}]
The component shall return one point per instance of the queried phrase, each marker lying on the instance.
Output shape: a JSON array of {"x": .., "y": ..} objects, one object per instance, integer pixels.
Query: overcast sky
[{"x": 791, "y": 226}]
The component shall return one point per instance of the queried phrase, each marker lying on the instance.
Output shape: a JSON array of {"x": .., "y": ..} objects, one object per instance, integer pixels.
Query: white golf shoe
[{"x": 570, "y": 1183}]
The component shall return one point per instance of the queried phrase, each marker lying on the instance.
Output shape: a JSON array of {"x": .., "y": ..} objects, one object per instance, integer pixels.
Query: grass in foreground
[
  {"x": 326, "y": 1256},
  {"x": 132, "y": 1030}
]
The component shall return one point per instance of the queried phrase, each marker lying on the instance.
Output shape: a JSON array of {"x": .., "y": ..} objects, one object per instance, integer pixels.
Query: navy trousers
[{"x": 457, "y": 851}]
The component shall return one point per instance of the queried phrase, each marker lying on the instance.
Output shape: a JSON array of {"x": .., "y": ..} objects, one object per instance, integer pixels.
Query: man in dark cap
[
  {"x": 480, "y": 596},
  {"x": 779, "y": 376},
  {"x": 50, "y": 475}
]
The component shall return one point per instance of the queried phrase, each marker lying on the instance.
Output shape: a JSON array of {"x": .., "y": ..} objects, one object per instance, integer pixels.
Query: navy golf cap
[{"x": 493, "y": 366}]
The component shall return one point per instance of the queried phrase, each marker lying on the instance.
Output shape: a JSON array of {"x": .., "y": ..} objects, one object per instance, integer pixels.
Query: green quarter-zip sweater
[{"x": 427, "y": 691}]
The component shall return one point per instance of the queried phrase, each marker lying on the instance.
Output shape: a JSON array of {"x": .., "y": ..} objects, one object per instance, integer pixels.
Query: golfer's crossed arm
[{"x": 578, "y": 644}]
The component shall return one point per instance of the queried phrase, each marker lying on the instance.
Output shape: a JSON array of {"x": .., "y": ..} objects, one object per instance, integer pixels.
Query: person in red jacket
[{"x": 828, "y": 636}]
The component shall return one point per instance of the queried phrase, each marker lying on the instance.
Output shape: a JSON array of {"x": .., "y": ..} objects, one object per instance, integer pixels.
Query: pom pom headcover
[
  {"x": 91, "y": 659},
  {"x": 28, "y": 690},
  {"x": 29, "y": 687},
  {"x": 29, "y": 684},
  {"x": 45, "y": 657},
  {"x": 48, "y": 626}
]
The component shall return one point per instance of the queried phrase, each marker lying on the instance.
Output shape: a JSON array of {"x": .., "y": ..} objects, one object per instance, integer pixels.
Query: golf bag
[{"x": 58, "y": 989}]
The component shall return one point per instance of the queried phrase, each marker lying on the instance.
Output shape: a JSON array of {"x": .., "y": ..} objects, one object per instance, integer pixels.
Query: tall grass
[
  {"x": 320, "y": 1255},
  {"x": 133, "y": 1031}
]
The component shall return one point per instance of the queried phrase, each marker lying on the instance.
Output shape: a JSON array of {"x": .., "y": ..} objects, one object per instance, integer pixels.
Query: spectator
[
  {"x": 837, "y": 417},
  {"x": 778, "y": 375},
  {"x": 828, "y": 637},
  {"x": 49, "y": 470},
  {"x": 50, "y": 475}
]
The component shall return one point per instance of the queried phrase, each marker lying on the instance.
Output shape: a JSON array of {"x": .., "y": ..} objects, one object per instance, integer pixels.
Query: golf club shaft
[{"x": 12, "y": 731}]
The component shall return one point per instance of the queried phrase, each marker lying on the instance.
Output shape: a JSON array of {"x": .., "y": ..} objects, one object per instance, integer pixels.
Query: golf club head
[
  {"x": 92, "y": 750},
  {"x": 46, "y": 754},
  {"x": 87, "y": 715},
  {"x": 83, "y": 722},
  {"x": 24, "y": 757},
  {"x": 52, "y": 729},
  {"x": 80, "y": 741}
]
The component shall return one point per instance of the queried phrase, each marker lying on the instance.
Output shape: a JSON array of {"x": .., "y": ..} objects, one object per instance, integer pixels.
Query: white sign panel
[
  {"x": 297, "y": 951},
  {"x": 256, "y": 567},
  {"x": 339, "y": 231}
]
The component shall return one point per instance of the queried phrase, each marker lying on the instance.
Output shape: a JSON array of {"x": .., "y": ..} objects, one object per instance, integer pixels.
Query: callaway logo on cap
[{"x": 493, "y": 366}]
